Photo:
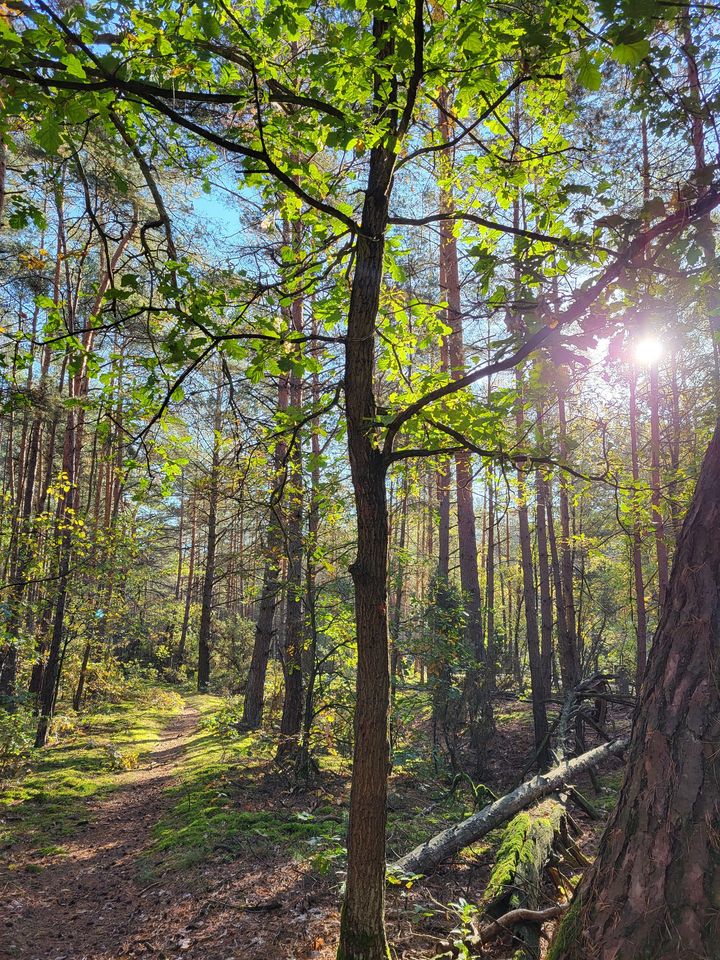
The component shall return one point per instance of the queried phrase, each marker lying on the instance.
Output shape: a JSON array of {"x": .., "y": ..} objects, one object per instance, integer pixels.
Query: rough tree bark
[
  {"x": 362, "y": 926},
  {"x": 652, "y": 892}
]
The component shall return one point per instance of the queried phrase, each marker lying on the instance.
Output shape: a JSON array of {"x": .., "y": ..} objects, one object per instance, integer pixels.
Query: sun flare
[{"x": 649, "y": 351}]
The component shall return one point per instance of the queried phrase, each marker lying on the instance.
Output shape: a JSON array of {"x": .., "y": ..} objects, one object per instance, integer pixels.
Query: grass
[
  {"x": 219, "y": 809},
  {"x": 47, "y": 803}
]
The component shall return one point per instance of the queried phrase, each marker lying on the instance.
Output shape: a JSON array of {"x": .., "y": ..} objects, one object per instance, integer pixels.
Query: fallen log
[
  {"x": 425, "y": 857},
  {"x": 516, "y": 880}
]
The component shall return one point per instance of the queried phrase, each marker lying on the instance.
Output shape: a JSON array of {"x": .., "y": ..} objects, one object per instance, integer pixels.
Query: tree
[
  {"x": 652, "y": 890},
  {"x": 312, "y": 137}
]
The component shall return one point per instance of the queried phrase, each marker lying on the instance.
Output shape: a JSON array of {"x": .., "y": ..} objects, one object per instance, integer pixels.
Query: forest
[{"x": 359, "y": 479}]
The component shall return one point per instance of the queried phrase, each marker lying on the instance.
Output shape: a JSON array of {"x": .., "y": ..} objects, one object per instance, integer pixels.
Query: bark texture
[
  {"x": 362, "y": 926},
  {"x": 654, "y": 891}
]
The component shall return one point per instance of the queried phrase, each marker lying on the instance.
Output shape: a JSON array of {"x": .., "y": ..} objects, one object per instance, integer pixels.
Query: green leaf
[
  {"x": 589, "y": 76},
  {"x": 73, "y": 66},
  {"x": 631, "y": 54}
]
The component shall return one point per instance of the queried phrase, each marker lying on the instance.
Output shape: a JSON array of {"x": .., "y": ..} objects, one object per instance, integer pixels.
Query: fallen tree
[
  {"x": 425, "y": 857},
  {"x": 516, "y": 880}
]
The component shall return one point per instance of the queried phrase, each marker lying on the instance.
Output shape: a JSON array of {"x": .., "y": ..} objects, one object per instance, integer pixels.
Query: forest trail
[{"x": 87, "y": 903}]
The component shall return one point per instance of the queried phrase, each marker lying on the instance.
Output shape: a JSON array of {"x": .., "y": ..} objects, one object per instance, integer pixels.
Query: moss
[
  {"x": 524, "y": 841},
  {"x": 205, "y": 820},
  {"x": 508, "y": 856},
  {"x": 49, "y": 803},
  {"x": 566, "y": 942}
]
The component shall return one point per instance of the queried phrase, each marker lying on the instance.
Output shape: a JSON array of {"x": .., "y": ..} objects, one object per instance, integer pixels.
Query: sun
[{"x": 649, "y": 351}]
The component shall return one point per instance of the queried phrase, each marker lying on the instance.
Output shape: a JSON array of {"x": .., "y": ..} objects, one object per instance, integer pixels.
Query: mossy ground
[
  {"x": 47, "y": 802},
  {"x": 230, "y": 801}
]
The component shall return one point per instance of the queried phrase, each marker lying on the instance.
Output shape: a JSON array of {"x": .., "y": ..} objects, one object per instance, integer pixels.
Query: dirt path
[{"x": 86, "y": 904}]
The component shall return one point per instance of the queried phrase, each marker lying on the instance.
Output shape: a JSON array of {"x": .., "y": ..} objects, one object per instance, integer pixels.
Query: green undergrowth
[
  {"x": 45, "y": 802},
  {"x": 223, "y": 808},
  {"x": 610, "y": 785}
]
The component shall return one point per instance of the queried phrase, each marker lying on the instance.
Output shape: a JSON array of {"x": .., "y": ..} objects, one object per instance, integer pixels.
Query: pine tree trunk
[
  {"x": 291, "y": 721},
  {"x": 180, "y": 653},
  {"x": 652, "y": 892},
  {"x": 657, "y": 515},
  {"x": 640, "y": 610},
  {"x": 546, "y": 605},
  {"x": 255, "y": 690},
  {"x": 203, "y": 669},
  {"x": 567, "y": 574},
  {"x": 539, "y": 693}
]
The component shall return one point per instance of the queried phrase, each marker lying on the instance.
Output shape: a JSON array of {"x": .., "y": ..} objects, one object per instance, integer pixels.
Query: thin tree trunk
[
  {"x": 203, "y": 670},
  {"x": 567, "y": 573},
  {"x": 180, "y": 652},
  {"x": 362, "y": 926},
  {"x": 291, "y": 722},
  {"x": 658, "y": 522},
  {"x": 305, "y": 762},
  {"x": 546, "y": 604},
  {"x": 640, "y": 611},
  {"x": 255, "y": 690}
]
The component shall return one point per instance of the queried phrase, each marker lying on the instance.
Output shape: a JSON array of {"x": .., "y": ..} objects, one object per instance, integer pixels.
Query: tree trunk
[
  {"x": 255, "y": 690},
  {"x": 362, "y": 926},
  {"x": 291, "y": 722},
  {"x": 424, "y": 858},
  {"x": 567, "y": 654},
  {"x": 180, "y": 653},
  {"x": 695, "y": 105},
  {"x": 203, "y": 670},
  {"x": 657, "y": 516},
  {"x": 546, "y": 605},
  {"x": 539, "y": 693},
  {"x": 305, "y": 763},
  {"x": 652, "y": 892},
  {"x": 450, "y": 290},
  {"x": 567, "y": 576},
  {"x": 640, "y": 611}
]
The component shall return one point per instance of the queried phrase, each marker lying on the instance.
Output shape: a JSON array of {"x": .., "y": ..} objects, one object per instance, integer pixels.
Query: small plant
[
  {"x": 15, "y": 743},
  {"x": 121, "y": 760},
  {"x": 62, "y": 728}
]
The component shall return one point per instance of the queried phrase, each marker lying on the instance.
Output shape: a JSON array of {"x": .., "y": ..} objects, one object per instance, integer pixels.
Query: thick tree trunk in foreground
[
  {"x": 424, "y": 858},
  {"x": 653, "y": 892}
]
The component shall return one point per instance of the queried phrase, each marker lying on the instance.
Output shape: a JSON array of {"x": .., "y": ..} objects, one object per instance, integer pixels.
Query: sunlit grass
[{"x": 46, "y": 803}]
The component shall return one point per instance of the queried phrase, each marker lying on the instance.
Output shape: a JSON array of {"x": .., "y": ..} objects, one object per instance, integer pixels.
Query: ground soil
[{"x": 92, "y": 903}]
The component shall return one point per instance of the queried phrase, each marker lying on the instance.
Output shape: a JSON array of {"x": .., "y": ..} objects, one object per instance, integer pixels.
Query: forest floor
[{"x": 209, "y": 850}]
